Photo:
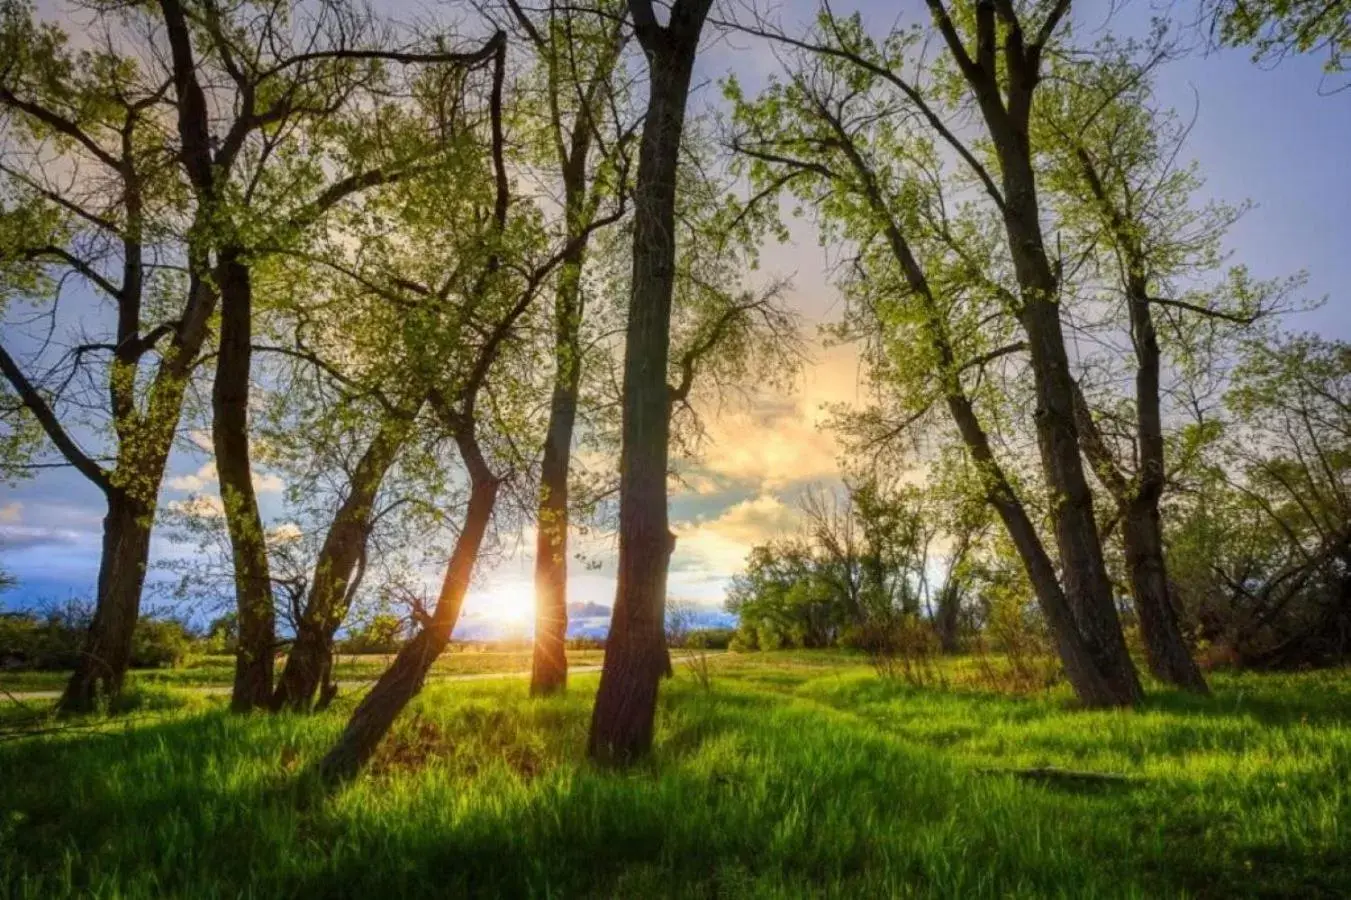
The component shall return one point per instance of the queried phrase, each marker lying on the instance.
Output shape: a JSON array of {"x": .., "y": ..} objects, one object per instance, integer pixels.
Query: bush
[
  {"x": 159, "y": 643},
  {"x": 384, "y": 633},
  {"x": 53, "y": 639},
  {"x": 47, "y": 640},
  {"x": 710, "y": 638},
  {"x": 744, "y": 640}
]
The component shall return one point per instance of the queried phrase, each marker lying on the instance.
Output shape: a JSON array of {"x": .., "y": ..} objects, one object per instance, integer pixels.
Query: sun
[{"x": 512, "y": 603}]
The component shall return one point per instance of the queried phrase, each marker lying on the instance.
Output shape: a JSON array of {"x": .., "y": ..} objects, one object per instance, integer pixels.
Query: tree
[
  {"x": 635, "y": 652},
  {"x": 1262, "y": 542},
  {"x": 282, "y": 74},
  {"x": 465, "y": 299},
  {"x": 578, "y": 52},
  {"x": 858, "y": 139},
  {"x": 113, "y": 220}
]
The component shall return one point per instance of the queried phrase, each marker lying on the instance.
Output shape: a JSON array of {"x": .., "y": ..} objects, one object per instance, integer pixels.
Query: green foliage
[
  {"x": 52, "y": 639},
  {"x": 1277, "y": 28},
  {"x": 382, "y": 633},
  {"x": 159, "y": 643},
  {"x": 801, "y": 775}
]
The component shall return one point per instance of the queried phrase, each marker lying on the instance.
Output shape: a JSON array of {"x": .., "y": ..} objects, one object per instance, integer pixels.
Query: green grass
[
  {"x": 219, "y": 671},
  {"x": 797, "y": 775}
]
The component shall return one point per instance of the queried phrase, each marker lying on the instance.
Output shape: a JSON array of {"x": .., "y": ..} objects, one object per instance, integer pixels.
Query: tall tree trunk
[
  {"x": 549, "y": 664},
  {"x": 405, "y": 676},
  {"x": 331, "y": 589},
  {"x": 1166, "y": 650},
  {"x": 230, "y": 437},
  {"x": 1094, "y": 681},
  {"x": 635, "y": 650},
  {"x": 1083, "y": 568},
  {"x": 106, "y": 652}
]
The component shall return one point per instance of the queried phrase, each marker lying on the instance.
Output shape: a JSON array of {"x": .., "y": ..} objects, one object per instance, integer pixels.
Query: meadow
[
  {"x": 217, "y": 670},
  {"x": 791, "y": 774}
]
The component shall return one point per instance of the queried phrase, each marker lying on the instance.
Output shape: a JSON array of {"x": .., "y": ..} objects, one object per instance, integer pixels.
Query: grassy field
[
  {"x": 203, "y": 671},
  {"x": 795, "y": 775}
]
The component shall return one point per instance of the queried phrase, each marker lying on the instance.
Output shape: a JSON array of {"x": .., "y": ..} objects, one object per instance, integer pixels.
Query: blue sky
[{"x": 1261, "y": 134}]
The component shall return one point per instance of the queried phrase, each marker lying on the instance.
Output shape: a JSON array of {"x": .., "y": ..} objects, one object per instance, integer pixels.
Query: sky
[{"x": 1262, "y": 134}]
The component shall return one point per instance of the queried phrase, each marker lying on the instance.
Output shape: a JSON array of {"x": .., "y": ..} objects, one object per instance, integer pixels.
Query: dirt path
[{"x": 345, "y": 686}]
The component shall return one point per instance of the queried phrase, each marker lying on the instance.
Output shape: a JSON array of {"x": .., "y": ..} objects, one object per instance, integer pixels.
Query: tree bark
[
  {"x": 949, "y": 605},
  {"x": 1166, "y": 649},
  {"x": 635, "y": 650},
  {"x": 144, "y": 444},
  {"x": 405, "y": 676},
  {"x": 106, "y": 652},
  {"x": 549, "y": 664},
  {"x": 331, "y": 589},
  {"x": 230, "y": 438}
]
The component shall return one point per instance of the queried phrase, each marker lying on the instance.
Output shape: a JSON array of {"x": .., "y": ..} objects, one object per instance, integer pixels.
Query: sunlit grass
[
  {"x": 797, "y": 775},
  {"x": 202, "y": 670}
]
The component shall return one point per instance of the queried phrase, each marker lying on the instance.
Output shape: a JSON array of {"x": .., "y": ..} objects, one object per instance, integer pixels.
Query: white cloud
[
  {"x": 720, "y": 545},
  {"x": 207, "y": 477},
  {"x": 197, "y": 481},
  {"x": 10, "y": 513},
  {"x": 206, "y": 506},
  {"x": 778, "y": 439},
  {"x": 285, "y": 533}
]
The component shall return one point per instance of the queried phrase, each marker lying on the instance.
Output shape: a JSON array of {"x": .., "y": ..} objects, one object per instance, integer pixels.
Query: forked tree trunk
[
  {"x": 230, "y": 437},
  {"x": 331, "y": 589},
  {"x": 1166, "y": 649},
  {"x": 106, "y": 651},
  {"x": 549, "y": 663},
  {"x": 1095, "y": 682},
  {"x": 635, "y": 650},
  {"x": 405, "y": 676},
  {"x": 1083, "y": 570},
  {"x": 1003, "y": 74}
]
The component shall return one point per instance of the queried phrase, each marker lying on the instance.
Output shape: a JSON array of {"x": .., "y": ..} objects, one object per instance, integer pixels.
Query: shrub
[
  {"x": 384, "y": 633},
  {"x": 159, "y": 643},
  {"x": 710, "y": 638}
]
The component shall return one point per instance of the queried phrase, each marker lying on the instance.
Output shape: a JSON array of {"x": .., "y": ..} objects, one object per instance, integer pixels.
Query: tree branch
[{"x": 42, "y": 411}]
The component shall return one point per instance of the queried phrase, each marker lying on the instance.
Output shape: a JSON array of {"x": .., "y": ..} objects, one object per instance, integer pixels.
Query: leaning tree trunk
[
  {"x": 1093, "y": 682},
  {"x": 230, "y": 436},
  {"x": 549, "y": 664},
  {"x": 405, "y": 676},
  {"x": 635, "y": 650},
  {"x": 340, "y": 556},
  {"x": 106, "y": 652}
]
